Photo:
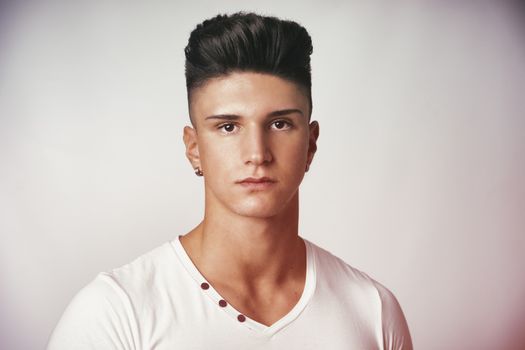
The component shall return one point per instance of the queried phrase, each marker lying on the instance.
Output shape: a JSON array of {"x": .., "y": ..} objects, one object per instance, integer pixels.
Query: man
[{"x": 243, "y": 278}]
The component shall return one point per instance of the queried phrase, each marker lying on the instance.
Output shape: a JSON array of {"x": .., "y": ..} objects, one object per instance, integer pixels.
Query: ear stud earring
[{"x": 198, "y": 171}]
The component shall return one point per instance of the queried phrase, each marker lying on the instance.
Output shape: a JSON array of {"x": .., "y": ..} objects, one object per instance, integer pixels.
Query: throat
[
  {"x": 263, "y": 303},
  {"x": 272, "y": 307},
  {"x": 264, "y": 285}
]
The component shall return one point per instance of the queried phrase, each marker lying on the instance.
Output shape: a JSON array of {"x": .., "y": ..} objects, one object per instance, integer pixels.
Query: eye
[
  {"x": 281, "y": 125},
  {"x": 227, "y": 128}
]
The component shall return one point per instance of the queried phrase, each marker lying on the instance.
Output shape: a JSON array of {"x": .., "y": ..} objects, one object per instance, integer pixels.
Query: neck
[{"x": 249, "y": 250}]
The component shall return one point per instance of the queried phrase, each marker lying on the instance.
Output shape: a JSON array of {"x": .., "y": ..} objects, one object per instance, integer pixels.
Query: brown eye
[
  {"x": 281, "y": 124},
  {"x": 228, "y": 128}
]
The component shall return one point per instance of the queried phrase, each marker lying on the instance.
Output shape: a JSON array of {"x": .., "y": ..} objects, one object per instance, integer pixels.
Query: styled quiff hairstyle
[{"x": 248, "y": 42}]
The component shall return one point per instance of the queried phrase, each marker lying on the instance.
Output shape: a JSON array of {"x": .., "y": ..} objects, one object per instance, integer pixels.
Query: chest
[
  {"x": 321, "y": 323},
  {"x": 265, "y": 307}
]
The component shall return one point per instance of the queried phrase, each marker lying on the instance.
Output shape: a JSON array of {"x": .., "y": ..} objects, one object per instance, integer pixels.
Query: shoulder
[
  {"x": 99, "y": 316},
  {"x": 146, "y": 271},
  {"x": 103, "y": 314},
  {"x": 351, "y": 287},
  {"x": 368, "y": 297},
  {"x": 331, "y": 267},
  {"x": 396, "y": 334}
]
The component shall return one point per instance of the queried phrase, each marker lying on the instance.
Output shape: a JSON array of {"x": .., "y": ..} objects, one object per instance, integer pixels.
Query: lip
[{"x": 255, "y": 183}]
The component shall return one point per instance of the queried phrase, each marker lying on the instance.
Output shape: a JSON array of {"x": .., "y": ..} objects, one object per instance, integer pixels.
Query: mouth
[{"x": 260, "y": 183}]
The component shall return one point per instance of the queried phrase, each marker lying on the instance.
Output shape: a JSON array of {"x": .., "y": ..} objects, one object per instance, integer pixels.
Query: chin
[{"x": 258, "y": 210}]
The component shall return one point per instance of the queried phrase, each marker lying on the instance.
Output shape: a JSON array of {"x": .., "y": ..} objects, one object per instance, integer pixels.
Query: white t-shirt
[{"x": 161, "y": 301}]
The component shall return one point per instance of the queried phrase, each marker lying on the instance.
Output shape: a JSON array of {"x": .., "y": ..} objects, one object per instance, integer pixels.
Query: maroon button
[
  {"x": 241, "y": 318},
  {"x": 205, "y": 285},
  {"x": 223, "y": 303}
]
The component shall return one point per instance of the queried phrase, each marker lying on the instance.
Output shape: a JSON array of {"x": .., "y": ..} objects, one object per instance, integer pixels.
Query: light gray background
[{"x": 419, "y": 177}]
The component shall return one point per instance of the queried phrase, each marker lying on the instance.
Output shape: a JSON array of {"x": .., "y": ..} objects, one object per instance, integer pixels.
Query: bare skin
[{"x": 251, "y": 125}]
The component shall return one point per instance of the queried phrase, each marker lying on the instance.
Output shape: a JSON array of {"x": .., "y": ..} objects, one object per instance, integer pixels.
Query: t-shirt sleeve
[
  {"x": 396, "y": 335},
  {"x": 100, "y": 316}
]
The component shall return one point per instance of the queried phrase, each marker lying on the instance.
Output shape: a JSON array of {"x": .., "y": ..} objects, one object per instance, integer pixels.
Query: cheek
[
  {"x": 292, "y": 160},
  {"x": 217, "y": 158},
  {"x": 294, "y": 151}
]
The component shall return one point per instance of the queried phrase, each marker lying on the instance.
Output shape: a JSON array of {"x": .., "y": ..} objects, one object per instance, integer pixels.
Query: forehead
[{"x": 247, "y": 94}]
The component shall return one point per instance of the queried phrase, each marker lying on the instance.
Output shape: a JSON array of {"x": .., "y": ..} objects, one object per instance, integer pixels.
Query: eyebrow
[{"x": 272, "y": 114}]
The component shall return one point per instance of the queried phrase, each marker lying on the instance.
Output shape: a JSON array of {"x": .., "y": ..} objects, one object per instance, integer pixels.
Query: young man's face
[{"x": 252, "y": 140}]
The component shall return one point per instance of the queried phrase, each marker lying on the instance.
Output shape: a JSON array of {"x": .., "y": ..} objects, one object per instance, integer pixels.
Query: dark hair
[{"x": 248, "y": 42}]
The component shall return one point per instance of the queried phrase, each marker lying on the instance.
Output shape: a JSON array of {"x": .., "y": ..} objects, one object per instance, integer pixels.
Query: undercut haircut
[{"x": 248, "y": 42}]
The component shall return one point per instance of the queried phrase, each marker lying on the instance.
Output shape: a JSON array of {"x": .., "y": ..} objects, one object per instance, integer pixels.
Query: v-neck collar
[{"x": 207, "y": 289}]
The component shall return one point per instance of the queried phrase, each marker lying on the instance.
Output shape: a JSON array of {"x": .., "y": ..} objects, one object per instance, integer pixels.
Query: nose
[{"x": 256, "y": 150}]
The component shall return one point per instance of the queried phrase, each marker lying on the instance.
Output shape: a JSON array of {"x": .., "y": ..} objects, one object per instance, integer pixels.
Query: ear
[
  {"x": 312, "y": 142},
  {"x": 192, "y": 147}
]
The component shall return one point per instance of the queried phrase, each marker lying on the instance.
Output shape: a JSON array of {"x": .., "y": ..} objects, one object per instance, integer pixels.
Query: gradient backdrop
[{"x": 419, "y": 179}]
